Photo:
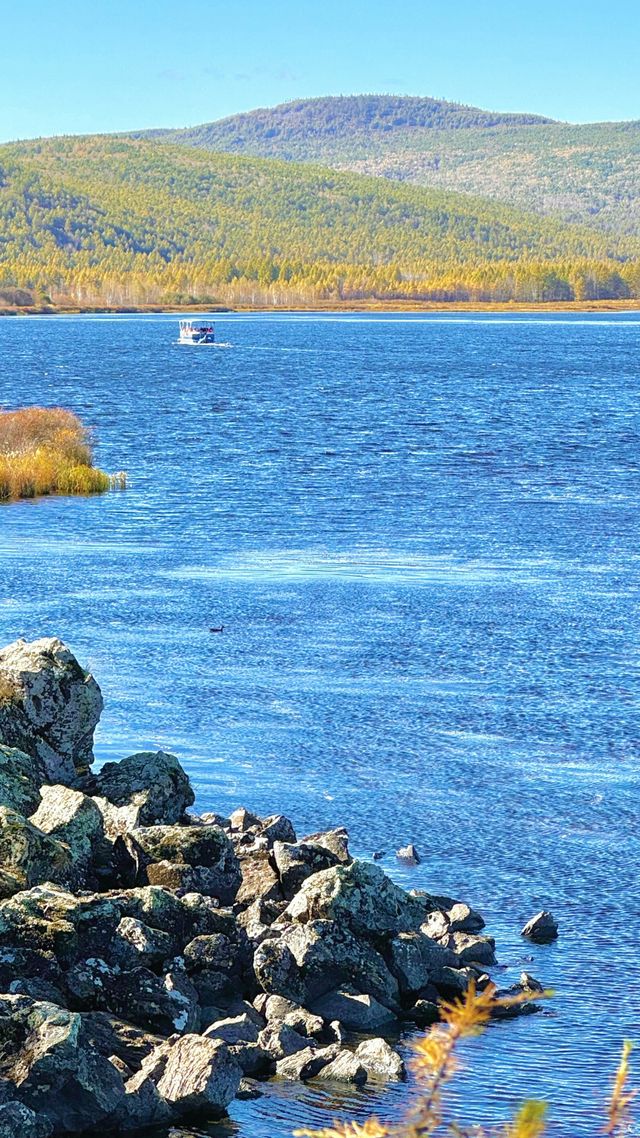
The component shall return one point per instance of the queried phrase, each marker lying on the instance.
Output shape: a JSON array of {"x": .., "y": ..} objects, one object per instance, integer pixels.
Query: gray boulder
[
  {"x": 260, "y": 881},
  {"x": 296, "y": 862},
  {"x": 17, "y": 1120},
  {"x": 280, "y": 1040},
  {"x": 359, "y": 897},
  {"x": 336, "y": 841},
  {"x": 146, "y": 788},
  {"x": 379, "y": 1060},
  {"x": 205, "y": 846},
  {"x": 236, "y": 1029},
  {"x": 49, "y": 708},
  {"x": 53, "y": 1050},
  {"x": 308, "y": 960},
  {"x": 355, "y": 1011},
  {"x": 542, "y": 928},
  {"x": 71, "y": 817},
  {"x": 31, "y": 855},
  {"x": 20, "y": 780},
  {"x": 345, "y": 1068},
  {"x": 414, "y": 959},
  {"x": 200, "y": 1077}
]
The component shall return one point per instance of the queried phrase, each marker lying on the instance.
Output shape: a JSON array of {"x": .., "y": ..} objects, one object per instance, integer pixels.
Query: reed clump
[
  {"x": 435, "y": 1063},
  {"x": 48, "y": 450}
]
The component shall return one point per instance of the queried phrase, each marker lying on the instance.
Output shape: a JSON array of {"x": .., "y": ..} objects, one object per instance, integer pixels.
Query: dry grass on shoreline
[{"x": 47, "y": 450}]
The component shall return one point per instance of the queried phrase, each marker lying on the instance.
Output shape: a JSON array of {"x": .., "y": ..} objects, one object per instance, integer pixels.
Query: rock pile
[{"x": 151, "y": 960}]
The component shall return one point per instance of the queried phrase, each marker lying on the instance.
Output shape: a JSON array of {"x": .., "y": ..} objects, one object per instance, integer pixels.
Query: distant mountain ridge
[{"x": 585, "y": 173}]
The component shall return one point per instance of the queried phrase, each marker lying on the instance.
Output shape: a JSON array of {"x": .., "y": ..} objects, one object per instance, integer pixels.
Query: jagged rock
[
  {"x": 542, "y": 928},
  {"x": 163, "y": 1004},
  {"x": 52, "y": 1049},
  {"x": 211, "y": 819},
  {"x": 380, "y": 1060},
  {"x": 248, "y": 1090},
  {"x": 463, "y": 919},
  {"x": 277, "y": 828},
  {"x": 451, "y": 982},
  {"x": 238, "y": 1029},
  {"x": 336, "y": 841},
  {"x": 17, "y": 1120},
  {"x": 148, "y": 787},
  {"x": 260, "y": 882},
  {"x": 242, "y": 821},
  {"x": 22, "y": 968},
  {"x": 253, "y": 1060},
  {"x": 20, "y": 781},
  {"x": 48, "y": 918},
  {"x": 137, "y": 945},
  {"x": 280, "y": 1040},
  {"x": 53, "y": 708},
  {"x": 112, "y": 1036},
  {"x": 414, "y": 959},
  {"x": 437, "y": 926},
  {"x": 295, "y": 863},
  {"x": 424, "y": 1012},
  {"x": 306, "y": 1064},
  {"x": 473, "y": 949},
  {"x": 355, "y": 1011},
  {"x": 72, "y": 818},
  {"x": 345, "y": 1068},
  {"x": 409, "y": 855},
  {"x": 529, "y": 983},
  {"x": 359, "y": 897},
  {"x": 205, "y": 846},
  {"x": 200, "y": 1076},
  {"x": 512, "y": 1011},
  {"x": 11, "y": 882},
  {"x": 308, "y": 960},
  {"x": 30, "y": 855},
  {"x": 280, "y": 1010}
]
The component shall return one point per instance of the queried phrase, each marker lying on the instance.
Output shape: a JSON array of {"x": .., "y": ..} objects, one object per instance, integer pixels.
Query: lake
[{"x": 421, "y": 535}]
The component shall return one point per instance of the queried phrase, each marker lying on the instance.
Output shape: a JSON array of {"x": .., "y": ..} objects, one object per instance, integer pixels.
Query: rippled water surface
[{"x": 421, "y": 536}]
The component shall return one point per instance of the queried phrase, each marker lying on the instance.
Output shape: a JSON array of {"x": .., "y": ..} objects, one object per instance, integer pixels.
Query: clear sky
[{"x": 72, "y": 66}]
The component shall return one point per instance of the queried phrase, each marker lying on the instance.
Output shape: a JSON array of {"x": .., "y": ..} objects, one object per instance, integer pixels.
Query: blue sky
[{"x": 105, "y": 65}]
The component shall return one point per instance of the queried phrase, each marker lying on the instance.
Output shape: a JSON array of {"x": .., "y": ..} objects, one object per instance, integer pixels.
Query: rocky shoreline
[{"x": 154, "y": 962}]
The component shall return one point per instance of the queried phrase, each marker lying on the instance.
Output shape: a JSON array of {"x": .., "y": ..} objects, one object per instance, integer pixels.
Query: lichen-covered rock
[
  {"x": 31, "y": 854},
  {"x": 414, "y": 958},
  {"x": 296, "y": 862},
  {"x": 205, "y": 846},
  {"x": 147, "y": 787},
  {"x": 380, "y": 1060},
  {"x": 52, "y": 1049},
  {"x": 20, "y": 781},
  {"x": 138, "y": 945},
  {"x": 359, "y": 897},
  {"x": 48, "y": 918},
  {"x": 17, "y": 1121},
  {"x": 308, "y": 960},
  {"x": 200, "y": 1076},
  {"x": 52, "y": 709},
  {"x": 74, "y": 819},
  {"x": 113, "y": 1036}
]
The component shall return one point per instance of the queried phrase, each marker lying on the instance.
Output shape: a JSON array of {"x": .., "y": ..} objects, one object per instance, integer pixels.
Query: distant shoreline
[{"x": 346, "y": 307}]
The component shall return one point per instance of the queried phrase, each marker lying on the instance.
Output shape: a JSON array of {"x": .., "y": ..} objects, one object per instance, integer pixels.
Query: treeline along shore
[{"x": 157, "y": 962}]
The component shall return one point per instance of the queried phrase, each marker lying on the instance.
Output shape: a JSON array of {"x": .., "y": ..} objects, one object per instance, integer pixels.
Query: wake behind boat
[{"x": 192, "y": 333}]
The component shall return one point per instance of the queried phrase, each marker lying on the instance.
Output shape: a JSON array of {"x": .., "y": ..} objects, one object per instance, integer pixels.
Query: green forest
[
  {"x": 112, "y": 220},
  {"x": 588, "y": 173}
]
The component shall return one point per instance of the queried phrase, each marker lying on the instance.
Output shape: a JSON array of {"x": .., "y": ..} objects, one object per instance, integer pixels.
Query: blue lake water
[{"x": 421, "y": 535}]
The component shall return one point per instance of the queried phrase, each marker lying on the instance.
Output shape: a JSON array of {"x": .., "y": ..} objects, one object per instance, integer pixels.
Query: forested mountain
[
  {"x": 120, "y": 221},
  {"x": 584, "y": 173}
]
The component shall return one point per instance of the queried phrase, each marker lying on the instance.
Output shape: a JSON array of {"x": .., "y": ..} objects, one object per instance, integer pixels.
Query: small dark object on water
[
  {"x": 541, "y": 928},
  {"x": 378, "y": 855},
  {"x": 409, "y": 855},
  {"x": 221, "y": 629}
]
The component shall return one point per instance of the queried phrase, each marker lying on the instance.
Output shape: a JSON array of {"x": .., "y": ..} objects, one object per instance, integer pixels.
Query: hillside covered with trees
[
  {"x": 118, "y": 221},
  {"x": 587, "y": 173}
]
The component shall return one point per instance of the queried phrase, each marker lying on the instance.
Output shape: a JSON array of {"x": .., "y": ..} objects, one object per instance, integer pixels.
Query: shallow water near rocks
[{"x": 421, "y": 536}]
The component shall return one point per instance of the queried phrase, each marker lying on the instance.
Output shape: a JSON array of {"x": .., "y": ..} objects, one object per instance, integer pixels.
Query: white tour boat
[{"x": 192, "y": 333}]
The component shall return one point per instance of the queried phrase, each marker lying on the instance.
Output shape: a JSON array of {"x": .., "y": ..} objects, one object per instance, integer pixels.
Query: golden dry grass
[{"x": 47, "y": 450}]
